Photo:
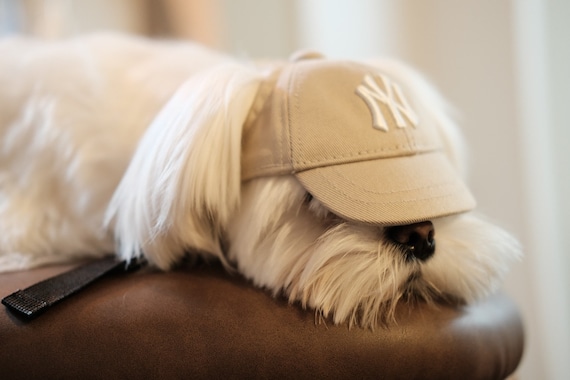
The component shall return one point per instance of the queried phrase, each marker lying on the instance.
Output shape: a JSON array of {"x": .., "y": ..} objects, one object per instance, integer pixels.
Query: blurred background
[{"x": 502, "y": 64}]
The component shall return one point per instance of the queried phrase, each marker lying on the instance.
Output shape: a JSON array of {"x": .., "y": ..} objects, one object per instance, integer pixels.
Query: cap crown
[
  {"x": 363, "y": 144},
  {"x": 321, "y": 113}
]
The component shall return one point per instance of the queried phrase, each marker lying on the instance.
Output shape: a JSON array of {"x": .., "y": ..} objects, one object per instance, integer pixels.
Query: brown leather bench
[{"x": 204, "y": 323}]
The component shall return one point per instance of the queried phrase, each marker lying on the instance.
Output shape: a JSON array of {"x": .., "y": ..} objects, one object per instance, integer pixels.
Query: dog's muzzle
[{"x": 417, "y": 240}]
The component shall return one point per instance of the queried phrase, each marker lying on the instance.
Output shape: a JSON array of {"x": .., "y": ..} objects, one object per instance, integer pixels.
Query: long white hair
[{"x": 184, "y": 180}]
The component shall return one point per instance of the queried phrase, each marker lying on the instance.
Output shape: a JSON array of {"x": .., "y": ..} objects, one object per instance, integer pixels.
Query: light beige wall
[
  {"x": 541, "y": 51},
  {"x": 259, "y": 28}
]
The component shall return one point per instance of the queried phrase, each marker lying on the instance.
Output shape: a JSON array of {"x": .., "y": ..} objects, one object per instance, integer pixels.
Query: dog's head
[{"x": 336, "y": 183}]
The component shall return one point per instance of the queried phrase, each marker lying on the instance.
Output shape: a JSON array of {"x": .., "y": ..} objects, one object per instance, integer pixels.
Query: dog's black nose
[{"x": 417, "y": 239}]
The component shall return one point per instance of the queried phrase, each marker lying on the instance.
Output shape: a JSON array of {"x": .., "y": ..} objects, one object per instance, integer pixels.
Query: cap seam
[
  {"x": 325, "y": 162},
  {"x": 290, "y": 104},
  {"x": 299, "y": 147},
  {"x": 442, "y": 185},
  {"x": 266, "y": 170},
  {"x": 283, "y": 118},
  {"x": 418, "y": 149}
]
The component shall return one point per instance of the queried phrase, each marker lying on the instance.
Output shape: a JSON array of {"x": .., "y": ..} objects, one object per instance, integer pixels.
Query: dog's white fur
[{"x": 111, "y": 143}]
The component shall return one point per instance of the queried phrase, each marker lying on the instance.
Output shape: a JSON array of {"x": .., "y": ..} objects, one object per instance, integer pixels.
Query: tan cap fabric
[{"x": 357, "y": 140}]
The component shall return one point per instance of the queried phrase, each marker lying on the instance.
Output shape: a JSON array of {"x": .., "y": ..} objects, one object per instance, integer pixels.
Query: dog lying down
[{"x": 334, "y": 183}]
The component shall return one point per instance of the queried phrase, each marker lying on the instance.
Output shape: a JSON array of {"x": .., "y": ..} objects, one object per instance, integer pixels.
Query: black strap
[{"x": 37, "y": 298}]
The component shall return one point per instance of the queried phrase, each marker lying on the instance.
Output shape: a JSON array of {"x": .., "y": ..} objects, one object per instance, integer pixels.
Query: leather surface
[{"x": 204, "y": 323}]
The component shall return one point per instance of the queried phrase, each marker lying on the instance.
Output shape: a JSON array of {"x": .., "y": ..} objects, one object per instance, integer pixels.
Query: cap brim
[{"x": 390, "y": 191}]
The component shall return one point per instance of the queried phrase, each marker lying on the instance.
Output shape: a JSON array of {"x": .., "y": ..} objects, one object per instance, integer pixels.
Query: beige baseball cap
[{"x": 356, "y": 139}]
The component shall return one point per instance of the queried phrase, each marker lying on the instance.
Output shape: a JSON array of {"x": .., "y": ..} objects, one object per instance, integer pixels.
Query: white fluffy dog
[{"x": 325, "y": 181}]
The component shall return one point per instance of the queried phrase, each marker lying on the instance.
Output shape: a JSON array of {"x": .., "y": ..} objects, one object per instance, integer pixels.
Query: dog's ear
[
  {"x": 184, "y": 181},
  {"x": 442, "y": 114}
]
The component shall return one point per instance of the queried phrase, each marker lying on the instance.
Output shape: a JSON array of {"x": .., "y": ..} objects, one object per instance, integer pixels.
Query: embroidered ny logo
[{"x": 391, "y": 96}]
